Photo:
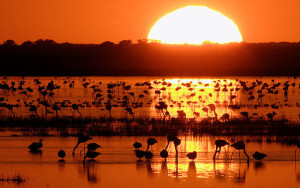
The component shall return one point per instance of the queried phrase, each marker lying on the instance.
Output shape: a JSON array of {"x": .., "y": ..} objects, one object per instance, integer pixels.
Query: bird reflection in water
[
  {"x": 176, "y": 173},
  {"x": 90, "y": 170},
  {"x": 140, "y": 164},
  {"x": 241, "y": 177},
  {"x": 219, "y": 174},
  {"x": 36, "y": 154},
  {"x": 192, "y": 171},
  {"x": 258, "y": 165},
  {"x": 164, "y": 169},
  {"x": 150, "y": 172},
  {"x": 61, "y": 164}
]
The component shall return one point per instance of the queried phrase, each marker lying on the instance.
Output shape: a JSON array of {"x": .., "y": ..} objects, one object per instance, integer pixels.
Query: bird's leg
[
  {"x": 232, "y": 154},
  {"x": 215, "y": 153},
  {"x": 296, "y": 153},
  {"x": 75, "y": 148},
  {"x": 246, "y": 155}
]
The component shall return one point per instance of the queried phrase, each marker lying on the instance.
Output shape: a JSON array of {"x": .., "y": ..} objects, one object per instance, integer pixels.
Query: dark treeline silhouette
[{"x": 46, "y": 57}]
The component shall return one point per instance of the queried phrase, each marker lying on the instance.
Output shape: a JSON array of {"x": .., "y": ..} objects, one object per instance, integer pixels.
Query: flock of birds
[
  {"x": 92, "y": 147},
  {"x": 130, "y": 97}
]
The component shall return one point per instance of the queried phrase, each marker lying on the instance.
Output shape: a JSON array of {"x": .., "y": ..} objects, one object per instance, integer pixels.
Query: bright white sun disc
[{"x": 194, "y": 25}]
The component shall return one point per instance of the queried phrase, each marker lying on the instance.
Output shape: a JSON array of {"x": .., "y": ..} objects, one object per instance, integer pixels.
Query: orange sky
[{"x": 95, "y": 21}]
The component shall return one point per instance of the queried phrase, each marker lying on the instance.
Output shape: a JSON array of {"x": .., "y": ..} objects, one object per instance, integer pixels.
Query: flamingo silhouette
[
  {"x": 81, "y": 139},
  {"x": 164, "y": 154},
  {"x": 192, "y": 155},
  {"x": 259, "y": 156},
  {"x": 219, "y": 144},
  {"x": 139, "y": 154},
  {"x": 36, "y": 145},
  {"x": 91, "y": 155},
  {"x": 61, "y": 153},
  {"x": 150, "y": 142},
  {"x": 240, "y": 146},
  {"x": 137, "y": 145}
]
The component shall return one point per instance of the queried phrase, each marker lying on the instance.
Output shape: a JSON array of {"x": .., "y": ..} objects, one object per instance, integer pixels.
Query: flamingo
[
  {"x": 36, "y": 145},
  {"x": 148, "y": 155},
  {"x": 91, "y": 155},
  {"x": 93, "y": 146},
  {"x": 259, "y": 156},
  {"x": 164, "y": 154},
  {"x": 240, "y": 146},
  {"x": 192, "y": 155},
  {"x": 137, "y": 145},
  {"x": 81, "y": 139},
  {"x": 61, "y": 153},
  {"x": 139, "y": 154},
  {"x": 150, "y": 142},
  {"x": 219, "y": 144}
]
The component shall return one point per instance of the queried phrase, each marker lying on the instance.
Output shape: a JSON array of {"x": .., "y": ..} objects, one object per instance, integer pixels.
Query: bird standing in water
[
  {"x": 164, "y": 154},
  {"x": 219, "y": 144},
  {"x": 150, "y": 142},
  {"x": 240, "y": 146},
  {"x": 192, "y": 155},
  {"x": 91, "y": 155},
  {"x": 259, "y": 156},
  {"x": 137, "y": 145},
  {"x": 36, "y": 145},
  {"x": 81, "y": 139},
  {"x": 139, "y": 154},
  {"x": 61, "y": 153}
]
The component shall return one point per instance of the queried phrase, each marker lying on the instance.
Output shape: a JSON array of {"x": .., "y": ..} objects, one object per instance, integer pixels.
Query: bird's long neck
[
  {"x": 246, "y": 154},
  {"x": 167, "y": 144},
  {"x": 147, "y": 147},
  {"x": 75, "y": 148}
]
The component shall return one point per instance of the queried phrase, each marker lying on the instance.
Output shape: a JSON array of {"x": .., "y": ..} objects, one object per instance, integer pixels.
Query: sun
[{"x": 194, "y": 25}]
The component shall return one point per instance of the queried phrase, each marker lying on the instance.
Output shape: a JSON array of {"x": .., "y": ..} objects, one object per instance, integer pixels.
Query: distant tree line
[{"x": 46, "y": 57}]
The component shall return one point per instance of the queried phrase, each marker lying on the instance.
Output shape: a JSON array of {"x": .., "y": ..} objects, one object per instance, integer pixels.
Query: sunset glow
[{"x": 194, "y": 25}]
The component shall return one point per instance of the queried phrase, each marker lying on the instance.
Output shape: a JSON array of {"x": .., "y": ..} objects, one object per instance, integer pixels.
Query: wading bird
[
  {"x": 139, "y": 154},
  {"x": 91, "y": 155},
  {"x": 240, "y": 146},
  {"x": 81, "y": 139},
  {"x": 164, "y": 154},
  {"x": 36, "y": 145},
  {"x": 150, "y": 142},
  {"x": 259, "y": 156},
  {"x": 192, "y": 155},
  {"x": 61, "y": 153},
  {"x": 219, "y": 144},
  {"x": 137, "y": 145}
]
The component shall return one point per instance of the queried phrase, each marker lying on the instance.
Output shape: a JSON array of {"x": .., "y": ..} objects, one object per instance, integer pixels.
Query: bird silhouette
[
  {"x": 219, "y": 144},
  {"x": 81, "y": 139},
  {"x": 36, "y": 145},
  {"x": 137, "y": 145},
  {"x": 61, "y": 153},
  {"x": 259, "y": 156},
  {"x": 150, "y": 142},
  {"x": 139, "y": 154},
  {"x": 192, "y": 155},
  {"x": 93, "y": 146},
  {"x": 164, "y": 154},
  {"x": 177, "y": 142},
  {"x": 91, "y": 155},
  {"x": 240, "y": 146},
  {"x": 148, "y": 155},
  {"x": 171, "y": 138}
]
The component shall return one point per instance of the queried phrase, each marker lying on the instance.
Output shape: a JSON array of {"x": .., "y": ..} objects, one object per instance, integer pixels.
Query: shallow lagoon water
[{"x": 117, "y": 165}]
